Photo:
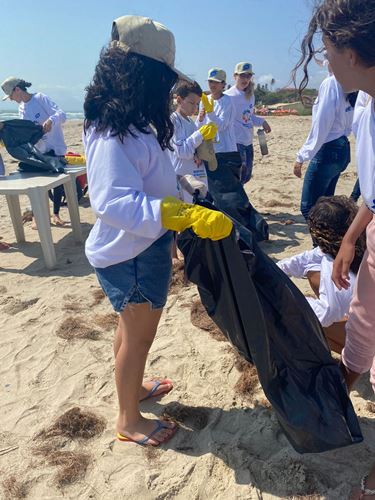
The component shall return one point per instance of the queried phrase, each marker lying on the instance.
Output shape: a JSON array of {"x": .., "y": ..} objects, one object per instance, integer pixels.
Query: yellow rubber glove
[
  {"x": 205, "y": 223},
  {"x": 207, "y": 103},
  {"x": 208, "y": 131},
  {"x": 75, "y": 160}
]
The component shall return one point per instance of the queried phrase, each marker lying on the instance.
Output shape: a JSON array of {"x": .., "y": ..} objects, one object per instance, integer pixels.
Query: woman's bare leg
[
  {"x": 147, "y": 385},
  {"x": 137, "y": 325}
]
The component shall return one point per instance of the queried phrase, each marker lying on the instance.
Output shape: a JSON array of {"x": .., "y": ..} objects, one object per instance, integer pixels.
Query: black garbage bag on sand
[
  {"x": 269, "y": 321},
  {"x": 228, "y": 194},
  {"x": 19, "y": 137}
]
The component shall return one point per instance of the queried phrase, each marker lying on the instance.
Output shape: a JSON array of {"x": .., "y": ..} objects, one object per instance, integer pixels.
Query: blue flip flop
[
  {"x": 151, "y": 393},
  {"x": 143, "y": 441}
]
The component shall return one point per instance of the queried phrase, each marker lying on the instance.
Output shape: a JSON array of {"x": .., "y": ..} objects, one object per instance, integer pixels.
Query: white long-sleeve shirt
[
  {"x": 364, "y": 130},
  {"x": 223, "y": 116},
  {"x": 332, "y": 117},
  {"x": 127, "y": 182},
  {"x": 38, "y": 110},
  {"x": 332, "y": 304},
  {"x": 186, "y": 138},
  {"x": 244, "y": 118}
]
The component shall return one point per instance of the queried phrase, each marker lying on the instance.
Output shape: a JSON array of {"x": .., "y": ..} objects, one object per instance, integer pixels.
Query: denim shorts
[{"x": 143, "y": 279}]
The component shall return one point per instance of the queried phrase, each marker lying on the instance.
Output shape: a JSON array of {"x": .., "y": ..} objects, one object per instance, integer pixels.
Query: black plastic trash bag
[
  {"x": 228, "y": 194},
  {"x": 19, "y": 137},
  {"x": 269, "y": 321}
]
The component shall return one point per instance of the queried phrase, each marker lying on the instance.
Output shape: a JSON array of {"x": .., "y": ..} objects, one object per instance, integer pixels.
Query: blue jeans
[
  {"x": 323, "y": 172},
  {"x": 247, "y": 158}
]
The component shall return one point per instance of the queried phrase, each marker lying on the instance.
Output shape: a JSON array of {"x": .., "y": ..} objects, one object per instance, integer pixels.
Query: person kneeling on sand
[
  {"x": 127, "y": 135},
  {"x": 328, "y": 222}
]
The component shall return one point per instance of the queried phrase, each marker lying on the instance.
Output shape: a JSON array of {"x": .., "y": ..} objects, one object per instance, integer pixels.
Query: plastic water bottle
[{"x": 262, "y": 141}]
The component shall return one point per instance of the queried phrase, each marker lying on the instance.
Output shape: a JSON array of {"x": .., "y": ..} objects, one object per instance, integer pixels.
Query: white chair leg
[
  {"x": 72, "y": 201},
  {"x": 16, "y": 217},
  {"x": 39, "y": 207}
]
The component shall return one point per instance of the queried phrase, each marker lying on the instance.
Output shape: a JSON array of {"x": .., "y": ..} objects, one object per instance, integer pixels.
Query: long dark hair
[
  {"x": 347, "y": 24},
  {"x": 127, "y": 90},
  {"x": 328, "y": 222}
]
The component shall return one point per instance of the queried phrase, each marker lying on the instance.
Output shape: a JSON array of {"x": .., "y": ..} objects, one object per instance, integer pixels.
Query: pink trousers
[{"x": 359, "y": 352}]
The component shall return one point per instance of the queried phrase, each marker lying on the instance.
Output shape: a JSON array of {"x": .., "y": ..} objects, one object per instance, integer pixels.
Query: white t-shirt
[
  {"x": 186, "y": 139},
  {"x": 244, "y": 118},
  {"x": 332, "y": 117},
  {"x": 364, "y": 130},
  {"x": 38, "y": 110},
  {"x": 127, "y": 182},
  {"x": 223, "y": 116},
  {"x": 333, "y": 304}
]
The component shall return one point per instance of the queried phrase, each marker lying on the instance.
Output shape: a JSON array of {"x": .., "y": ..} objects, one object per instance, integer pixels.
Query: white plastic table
[{"x": 36, "y": 187}]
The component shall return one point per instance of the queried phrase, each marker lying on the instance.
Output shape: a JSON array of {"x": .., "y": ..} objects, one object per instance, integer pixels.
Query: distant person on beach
[
  {"x": 243, "y": 100},
  {"x": 328, "y": 222},
  {"x": 348, "y": 31},
  {"x": 327, "y": 146},
  {"x": 133, "y": 189},
  {"x": 218, "y": 108},
  {"x": 42, "y": 110},
  {"x": 190, "y": 170}
]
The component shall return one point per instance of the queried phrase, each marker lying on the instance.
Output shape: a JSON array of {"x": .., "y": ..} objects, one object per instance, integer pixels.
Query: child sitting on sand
[
  {"x": 328, "y": 222},
  {"x": 191, "y": 172}
]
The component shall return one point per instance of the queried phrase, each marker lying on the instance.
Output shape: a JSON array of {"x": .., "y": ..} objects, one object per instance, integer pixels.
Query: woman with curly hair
[
  {"x": 132, "y": 187},
  {"x": 328, "y": 222},
  {"x": 348, "y": 31}
]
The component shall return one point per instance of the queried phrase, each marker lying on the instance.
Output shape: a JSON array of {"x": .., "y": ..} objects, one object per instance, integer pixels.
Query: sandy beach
[{"x": 56, "y": 355}]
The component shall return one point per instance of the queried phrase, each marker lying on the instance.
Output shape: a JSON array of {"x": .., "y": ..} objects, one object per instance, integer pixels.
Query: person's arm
[
  {"x": 343, "y": 260},
  {"x": 184, "y": 147},
  {"x": 116, "y": 188},
  {"x": 298, "y": 265},
  {"x": 56, "y": 115},
  {"x": 223, "y": 117},
  {"x": 323, "y": 119}
]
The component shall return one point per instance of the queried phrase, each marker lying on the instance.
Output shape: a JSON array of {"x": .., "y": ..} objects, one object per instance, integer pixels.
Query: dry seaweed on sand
[
  {"x": 13, "y": 488},
  {"x": 72, "y": 465},
  {"x": 75, "y": 327},
  {"x": 98, "y": 296},
  {"x": 247, "y": 383},
  {"x": 201, "y": 319},
  {"x": 107, "y": 321},
  {"x": 75, "y": 424},
  {"x": 178, "y": 280},
  {"x": 194, "y": 416}
]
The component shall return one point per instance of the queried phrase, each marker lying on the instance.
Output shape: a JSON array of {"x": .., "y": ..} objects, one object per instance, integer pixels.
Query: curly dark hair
[
  {"x": 347, "y": 24},
  {"x": 127, "y": 90},
  {"x": 328, "y": 222}
]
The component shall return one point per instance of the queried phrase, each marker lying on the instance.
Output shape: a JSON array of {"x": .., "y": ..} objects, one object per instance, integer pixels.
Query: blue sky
[{"x": 56, "y": 44}]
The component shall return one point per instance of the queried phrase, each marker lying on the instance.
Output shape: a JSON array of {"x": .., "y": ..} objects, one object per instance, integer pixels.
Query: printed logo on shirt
[
  {"x": 246, "y": 117},
  {"x": 37, "y": 116}
]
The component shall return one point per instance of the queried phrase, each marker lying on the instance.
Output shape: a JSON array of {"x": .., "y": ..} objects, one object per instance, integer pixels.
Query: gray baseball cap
[
  {"x": 9, "y": 85},
  {"x": 243, "y": 67},
  {"x": 149, "y": 38},
  {"x": 217, "y": 75}
]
